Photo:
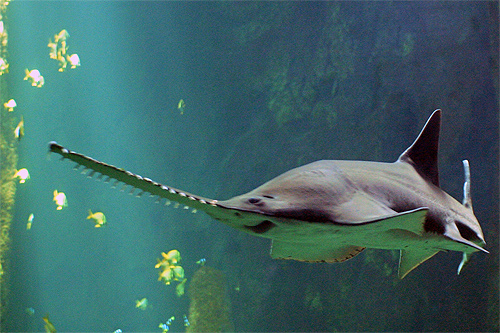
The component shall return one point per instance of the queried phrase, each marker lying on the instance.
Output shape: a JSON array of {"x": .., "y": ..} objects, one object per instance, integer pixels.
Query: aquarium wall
[{"x": 216, "y": 98}]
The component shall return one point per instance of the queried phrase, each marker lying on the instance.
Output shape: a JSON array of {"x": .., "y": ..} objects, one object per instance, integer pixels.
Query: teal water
[{"x": 268, "y": 86}]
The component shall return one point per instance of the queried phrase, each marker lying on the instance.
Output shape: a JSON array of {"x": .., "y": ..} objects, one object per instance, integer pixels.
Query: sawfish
[{"x": 331, "y": 210}]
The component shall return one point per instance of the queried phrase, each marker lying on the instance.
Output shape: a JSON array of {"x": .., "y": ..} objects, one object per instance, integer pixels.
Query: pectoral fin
[
  {"x": 361, "y": 208},
  {"x": 364, "y": 210},
  {"x": 412, "y": 220}
]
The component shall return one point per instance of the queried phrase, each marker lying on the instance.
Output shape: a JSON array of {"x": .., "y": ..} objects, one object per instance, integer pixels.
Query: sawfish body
[{"x": 331, "y": 210}]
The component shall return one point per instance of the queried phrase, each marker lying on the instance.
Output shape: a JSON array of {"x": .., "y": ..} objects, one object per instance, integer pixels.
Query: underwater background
[{"x": 266, "y": 86}]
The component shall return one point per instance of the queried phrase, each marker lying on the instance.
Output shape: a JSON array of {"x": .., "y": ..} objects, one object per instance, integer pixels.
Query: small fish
[
  {"x": 30, "y": 221},
  {"x": 173, "y": 256},
  {"x": 62, "y": 62},
  {"x": 179, "y": 290},
  {"x": 61, "y": 49},
  {"x": 49, "y": 327},
  {"x": 23, "y": 175},
  {"x": 167, "y": 275},
  {"x": 61, "y": 36},
  {"x": 19, "y": 130},
  {"x": 60, "y": 199},
  {"x": 181, "y": 106},
  {"x": 178, "y": 272},
  {"x": 99, "y": 219},
  {"x": 141, "y": 304},
  {"x": 161, "y": 263},
  {"x": 34, "y": 77},
  {"x": 170, "y": 258},
  {"x": 53, "y": 49},
  {"x": 201, "y": 262},
  {"x": 165, "y": 328},
  {"x": 10, "y": 105},
  {"x": 30, "y": 311},
  {"x": 74, "y": 60},
  {"x": 186, "y": 321},
  {"x": 171, "y": 270},
  {"x": 118, "y": 331},
  {"x": 4, "y": 66}
]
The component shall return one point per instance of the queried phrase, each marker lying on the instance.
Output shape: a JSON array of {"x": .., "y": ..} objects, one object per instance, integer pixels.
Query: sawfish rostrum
[{"x": 331, "y": 210}]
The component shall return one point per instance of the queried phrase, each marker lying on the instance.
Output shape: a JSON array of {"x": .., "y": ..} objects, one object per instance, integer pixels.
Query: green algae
[
  {"x": 8, "y": 164},
  {"x": 209, "y": 309}
]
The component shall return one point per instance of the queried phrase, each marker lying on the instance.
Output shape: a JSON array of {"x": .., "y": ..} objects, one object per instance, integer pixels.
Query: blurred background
[{"x": 266, "y": 86}]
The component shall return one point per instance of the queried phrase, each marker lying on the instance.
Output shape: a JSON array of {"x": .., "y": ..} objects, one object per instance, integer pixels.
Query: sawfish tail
[{"x": 111, "y": 174}]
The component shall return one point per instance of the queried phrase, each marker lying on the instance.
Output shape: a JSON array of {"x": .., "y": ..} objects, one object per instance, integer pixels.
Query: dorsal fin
[{"x": 423, "y": 153}]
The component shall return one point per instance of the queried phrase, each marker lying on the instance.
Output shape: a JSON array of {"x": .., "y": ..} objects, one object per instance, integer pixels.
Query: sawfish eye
[
  {"x": 254, "y": 200},
  {"x": 258, "y": 201}
]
